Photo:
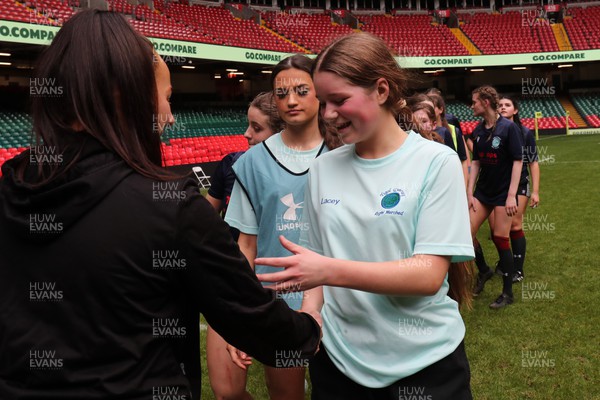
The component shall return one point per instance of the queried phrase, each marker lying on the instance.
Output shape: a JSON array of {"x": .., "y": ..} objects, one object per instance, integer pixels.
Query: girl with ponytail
[{"x": 387, "y": 216}]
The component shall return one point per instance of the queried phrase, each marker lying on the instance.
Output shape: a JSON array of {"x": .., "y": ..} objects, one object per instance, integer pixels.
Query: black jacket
[{"x": 102, "y": 275}]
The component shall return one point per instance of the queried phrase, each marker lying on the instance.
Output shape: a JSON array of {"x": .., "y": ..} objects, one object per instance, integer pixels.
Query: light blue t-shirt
[
  {"x": 271, "y": 178},
  {"x": 412, "y": 201}
]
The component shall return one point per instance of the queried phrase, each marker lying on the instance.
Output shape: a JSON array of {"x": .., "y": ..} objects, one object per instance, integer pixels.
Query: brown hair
[
  {"x": 488, "y": 93},
  {"x": 362, "y": 59},
  {"x": 417, "y": 98},
  {"x": 438, "y": 102},
  {"x": 460, "y": 275},
  {"x": 433, "y": 91},
  {"x": 460, "y": 281},
  {"x": 107, "y": 72},
  {"x": 265, "y": 104},
  {"x": 430, "y": 135},
  {"x": 303, "y": 63}
]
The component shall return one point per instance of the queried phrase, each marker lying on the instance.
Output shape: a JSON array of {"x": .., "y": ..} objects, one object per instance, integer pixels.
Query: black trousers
[{"x": 447, "y": 379}]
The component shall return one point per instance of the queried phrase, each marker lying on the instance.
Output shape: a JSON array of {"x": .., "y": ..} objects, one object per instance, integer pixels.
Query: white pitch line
[
  {"x": 550, "y": 137},
  {"x": 571, "y": 162}
]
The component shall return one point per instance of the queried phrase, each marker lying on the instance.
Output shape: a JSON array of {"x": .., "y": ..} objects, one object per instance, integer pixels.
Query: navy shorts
[
  {"x": 447, "y": 379},
  {"x": 498, "y": 200},
  {"x": 524, "y": 190}
]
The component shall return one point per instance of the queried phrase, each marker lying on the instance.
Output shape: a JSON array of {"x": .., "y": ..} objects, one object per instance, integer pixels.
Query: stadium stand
[
  {"x": 207, "y": 136},
  {"x": 414, "y": 35},
  {"x": 198, "y": 137},
  {"x": 311, "y": 31},
  {"x": 15, "y": 131},
  {"x": 13, "y": 11},
  {"x": 218, "y": 26},
  {"x": 583, "y": 27},
  {"x": 588, "y": 105},
  {"x": 195, "y": 138},
  {"x": 508, "y": 34}
]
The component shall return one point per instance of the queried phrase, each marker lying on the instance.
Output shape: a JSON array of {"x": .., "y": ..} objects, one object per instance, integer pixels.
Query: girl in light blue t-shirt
[{"x": 388, "y": 230}]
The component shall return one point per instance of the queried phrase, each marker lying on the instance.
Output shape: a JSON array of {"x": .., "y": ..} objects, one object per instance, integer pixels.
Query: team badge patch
[
  {"x": 496, "y": 142},
  {"x": 390, "y": 200}
]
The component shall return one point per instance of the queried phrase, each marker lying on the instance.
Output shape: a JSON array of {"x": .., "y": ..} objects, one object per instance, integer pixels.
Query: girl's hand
[
  {"x": 511, "y": 205},
  {"x": 471, "y": 202},
  {"x": 238, "y": 357},
  {"x": 304, "y": 270},
  {"x": 535, "y": 200}
]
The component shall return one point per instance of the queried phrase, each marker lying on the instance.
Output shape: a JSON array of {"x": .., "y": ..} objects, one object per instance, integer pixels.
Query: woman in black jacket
[{"x": 107, "y": 259}]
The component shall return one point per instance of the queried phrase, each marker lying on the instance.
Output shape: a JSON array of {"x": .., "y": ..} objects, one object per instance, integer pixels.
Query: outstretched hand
[
  {"x": 238, "y": 357},
  {"x": 304, "y": 270}
]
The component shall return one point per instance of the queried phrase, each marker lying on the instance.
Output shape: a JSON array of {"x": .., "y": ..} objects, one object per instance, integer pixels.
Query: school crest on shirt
[
  {"x": 389, "y": 200},
  {"x": 496, "y": 142}
]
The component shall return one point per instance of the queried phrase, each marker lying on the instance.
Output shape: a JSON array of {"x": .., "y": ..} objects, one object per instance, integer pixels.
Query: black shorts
[
  {"x": 524, "y": 190},
  {"x": 447, "y": 379},
  {"x": 498, "y": 200}
]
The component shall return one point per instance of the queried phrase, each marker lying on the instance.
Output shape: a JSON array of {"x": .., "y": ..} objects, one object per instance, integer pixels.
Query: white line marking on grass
[
  {"x": 203, "y": 327},
  {"x": 572, "y": 162},
  {"x": 550, "y": 137}
]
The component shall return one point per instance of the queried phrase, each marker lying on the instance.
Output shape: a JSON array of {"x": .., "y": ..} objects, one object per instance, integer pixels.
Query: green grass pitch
[{"x": 546, "y": 345}]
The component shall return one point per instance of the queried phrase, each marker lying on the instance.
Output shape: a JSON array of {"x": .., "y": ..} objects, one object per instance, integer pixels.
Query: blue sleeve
[
  {"x": 458, "y": 129},
  {"x": 447, "y": 137},
  {"x": 460, "y": 146},
  {"x": 515, "y": 142},
  {"x": 532, "y": 153},
  {"x": 475, "y": 150},
  {"x": 217, "y": 180},
  {"x": 240, "y": 212}
]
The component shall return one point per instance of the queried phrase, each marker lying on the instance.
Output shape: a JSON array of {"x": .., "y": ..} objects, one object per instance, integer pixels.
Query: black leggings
[{"x": 447, "y": 379}]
